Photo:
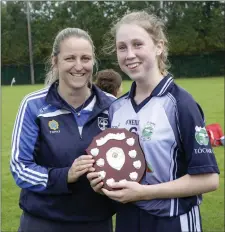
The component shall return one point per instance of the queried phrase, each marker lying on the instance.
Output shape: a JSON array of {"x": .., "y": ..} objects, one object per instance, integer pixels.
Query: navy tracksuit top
[{"x": 47, "y": 137}]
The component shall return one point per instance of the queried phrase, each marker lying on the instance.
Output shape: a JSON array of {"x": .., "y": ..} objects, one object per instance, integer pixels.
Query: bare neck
[
  {"x": 75, "y": 97},
  {"x": 145, "y": 86}
]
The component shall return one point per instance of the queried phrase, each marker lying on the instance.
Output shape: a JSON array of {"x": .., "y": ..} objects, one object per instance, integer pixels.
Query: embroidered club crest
[
  {"x": 149, "y": 168},
  {"x": 102, "y": 123},
  {"x": 147, "y": 131},
  {"x": 53, "y": 125},
  {"x": 201, "y": 136}
]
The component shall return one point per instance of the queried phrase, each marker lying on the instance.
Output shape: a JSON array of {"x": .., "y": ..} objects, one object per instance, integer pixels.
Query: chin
[
  {"x": 135, "y": 77},
  {"x": 79, "y": 83},
  {"x": 77, "y": 86}
]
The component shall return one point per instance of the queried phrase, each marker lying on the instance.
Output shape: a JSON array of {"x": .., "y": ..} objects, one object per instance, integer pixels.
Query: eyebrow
[
  {"x": 133, "y": 40},
  {"x": 67, "y": 55}
]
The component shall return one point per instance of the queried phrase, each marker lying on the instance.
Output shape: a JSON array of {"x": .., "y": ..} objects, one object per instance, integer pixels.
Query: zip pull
[{"x": 80, "y": 131}]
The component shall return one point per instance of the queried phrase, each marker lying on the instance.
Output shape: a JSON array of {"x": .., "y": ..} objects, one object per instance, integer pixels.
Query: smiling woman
[
  {"x": 53, "y": 128},
  {"x": 72, "y": 61},
  {"x": 168, "y": 124},
  {"x": 75, "y": 67}
]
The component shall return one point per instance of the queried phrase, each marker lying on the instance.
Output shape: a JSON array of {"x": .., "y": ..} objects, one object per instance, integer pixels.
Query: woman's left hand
[{"x": 128, "y": 191}]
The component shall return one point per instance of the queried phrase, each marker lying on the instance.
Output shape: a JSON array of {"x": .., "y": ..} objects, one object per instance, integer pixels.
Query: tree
[
  {"x": 14, "y": 33},
  {"x": 192, "y": 27}
]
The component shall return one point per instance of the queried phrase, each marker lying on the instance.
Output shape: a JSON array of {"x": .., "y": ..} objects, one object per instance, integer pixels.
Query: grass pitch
[{"x": 208, "y": 92}]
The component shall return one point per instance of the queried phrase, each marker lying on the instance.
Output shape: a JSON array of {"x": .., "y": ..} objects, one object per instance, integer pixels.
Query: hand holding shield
[{"x": 118, "y": 156}]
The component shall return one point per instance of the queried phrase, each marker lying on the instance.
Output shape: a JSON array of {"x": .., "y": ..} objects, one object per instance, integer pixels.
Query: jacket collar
[{"x": 103, "y": 101}]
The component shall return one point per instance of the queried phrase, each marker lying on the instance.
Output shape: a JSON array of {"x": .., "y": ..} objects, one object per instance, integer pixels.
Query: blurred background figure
[
  {"x": 13, "y": 81},
  {"x": 109, "y": 81}
]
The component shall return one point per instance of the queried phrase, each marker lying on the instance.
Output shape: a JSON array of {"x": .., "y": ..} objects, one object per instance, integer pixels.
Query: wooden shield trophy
[{"x": 118, "y": 156}]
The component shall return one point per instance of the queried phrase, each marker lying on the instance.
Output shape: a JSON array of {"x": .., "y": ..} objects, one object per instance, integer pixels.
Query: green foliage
[
  {"x": 193, "y": 27},
  {"x": 14, "y": 33}
]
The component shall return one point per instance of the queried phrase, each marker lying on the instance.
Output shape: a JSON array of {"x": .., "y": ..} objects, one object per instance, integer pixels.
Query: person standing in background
[{"x": 109, "y": 81}]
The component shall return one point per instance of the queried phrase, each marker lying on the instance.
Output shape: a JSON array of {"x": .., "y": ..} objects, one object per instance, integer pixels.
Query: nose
[
  {"x": 130, "y": 54},
  {"x": 78, "y": 65}
]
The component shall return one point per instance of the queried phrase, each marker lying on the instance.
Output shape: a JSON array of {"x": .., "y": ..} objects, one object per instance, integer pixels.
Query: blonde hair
[
  {"x": 153, "y": 26},
  {"x": 51, "y": 72}
]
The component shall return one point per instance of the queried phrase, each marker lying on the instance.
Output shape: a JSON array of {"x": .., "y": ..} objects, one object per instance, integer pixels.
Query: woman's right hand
[
  {"x": 80, "y": 166},
  {"x": 95, "y": 181}
]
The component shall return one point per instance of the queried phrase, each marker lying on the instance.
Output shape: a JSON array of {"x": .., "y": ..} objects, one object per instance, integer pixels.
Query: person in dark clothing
[{"x": 53, "y": 128}]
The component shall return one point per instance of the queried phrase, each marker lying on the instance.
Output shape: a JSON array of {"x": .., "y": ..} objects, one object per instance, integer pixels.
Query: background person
[{"x": 109, "y": 81}]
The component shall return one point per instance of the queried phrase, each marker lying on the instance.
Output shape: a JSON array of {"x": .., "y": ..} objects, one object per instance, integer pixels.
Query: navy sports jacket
[{"x": 47, "y": 137}]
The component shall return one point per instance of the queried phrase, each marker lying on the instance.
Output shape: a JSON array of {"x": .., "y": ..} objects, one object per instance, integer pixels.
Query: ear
[
  {"x": 159, "y": 47},
  {"x": 54, "y": 61}
]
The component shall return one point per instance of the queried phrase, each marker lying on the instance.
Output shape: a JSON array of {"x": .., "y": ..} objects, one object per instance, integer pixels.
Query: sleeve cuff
[
  {"x": 203, "y": 170},
  {"x": 58, "y": 180}
]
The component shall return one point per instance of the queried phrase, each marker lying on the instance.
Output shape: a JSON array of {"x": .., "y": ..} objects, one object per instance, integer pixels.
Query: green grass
[{"x": 208, "y": 92}]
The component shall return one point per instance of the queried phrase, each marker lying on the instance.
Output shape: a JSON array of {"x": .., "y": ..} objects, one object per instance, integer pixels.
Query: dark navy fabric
[
  {"x": 133, "y": 219},
  {"x": 29, "y": 223}
]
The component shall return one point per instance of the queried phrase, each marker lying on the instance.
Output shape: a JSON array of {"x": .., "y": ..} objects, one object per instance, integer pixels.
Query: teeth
[
  {"x": 132, "y": 65},
  {"x": 77, "y": 74}
]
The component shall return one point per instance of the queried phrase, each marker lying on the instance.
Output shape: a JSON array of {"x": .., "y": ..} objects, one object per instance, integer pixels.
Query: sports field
[{"x": 208, "y": 92}]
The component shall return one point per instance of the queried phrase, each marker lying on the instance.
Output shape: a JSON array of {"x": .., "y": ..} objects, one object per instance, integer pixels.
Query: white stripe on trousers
[{"x": 195, "y": 224}]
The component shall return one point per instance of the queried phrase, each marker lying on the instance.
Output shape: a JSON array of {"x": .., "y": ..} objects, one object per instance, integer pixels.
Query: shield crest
[
  {"x": 147, "y": 131},
  {"x": 201, "y": 136},
  {"x": 102, "y": 123}
]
